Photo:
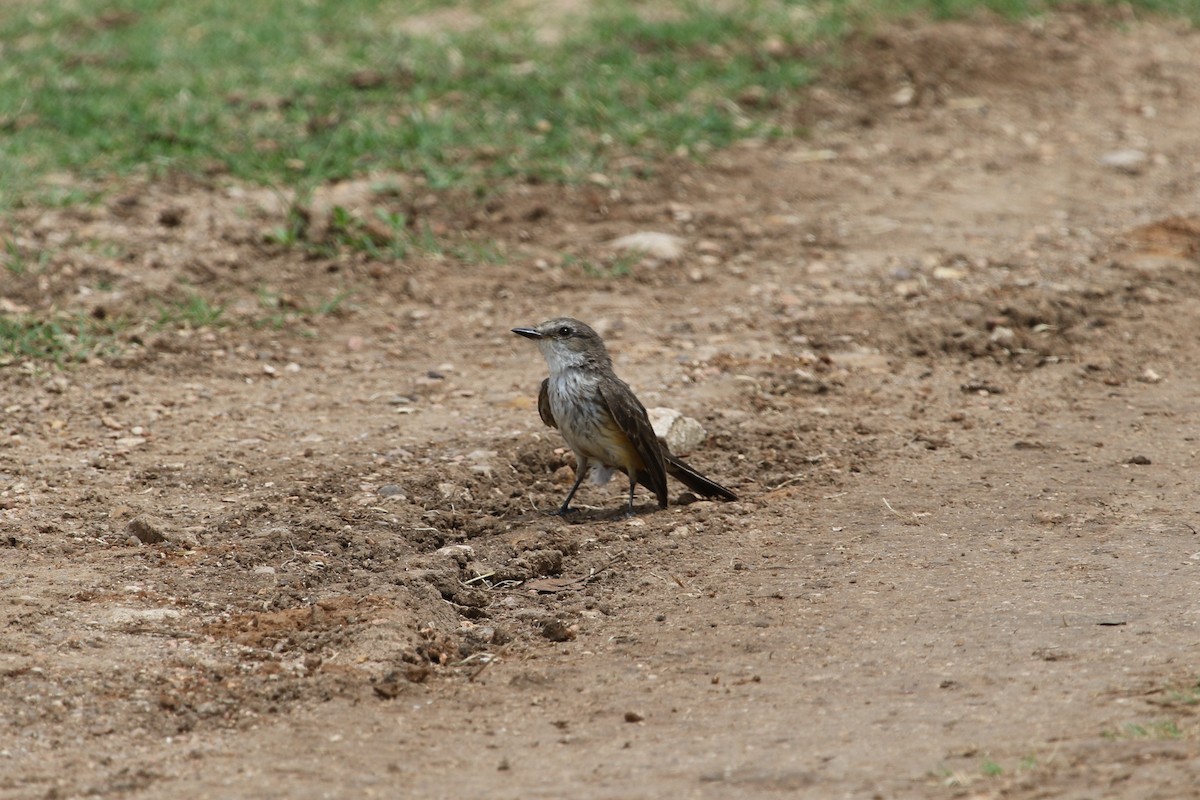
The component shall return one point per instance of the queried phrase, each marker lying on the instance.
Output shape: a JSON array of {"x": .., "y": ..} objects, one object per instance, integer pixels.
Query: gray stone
[{"x": 682, "y": 434}]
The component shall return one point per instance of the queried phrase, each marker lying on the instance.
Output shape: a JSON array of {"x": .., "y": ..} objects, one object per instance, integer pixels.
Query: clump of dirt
[
  {"x": 1177, "y": 236},
  {"x": 1029, "y": 332},
  {"x": 919, "y": 65}
]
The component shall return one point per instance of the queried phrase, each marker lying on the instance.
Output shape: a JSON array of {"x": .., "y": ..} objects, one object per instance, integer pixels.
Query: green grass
[
  {"x": 298, "y": 92},
  {"x": 282, "y": 92},
  {"x": 1162, "y": 729},
  {"x": 59, "y": 340},
  {"x": 1012, "y": 9},
  {"x": 19, "y": 263},
  {"x": 193, "y": 310},
  {"x": 617, "y": 266},
  {"x": 1186, "y": 695},
  {"x": 389, "y": 237},
  {"x": 280, "y": 312},
  {"x": 988, "y": 768}
]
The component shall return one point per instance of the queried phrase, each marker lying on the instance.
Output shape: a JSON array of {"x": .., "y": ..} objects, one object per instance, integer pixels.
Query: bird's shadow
[{"x": 583, "y": 515}]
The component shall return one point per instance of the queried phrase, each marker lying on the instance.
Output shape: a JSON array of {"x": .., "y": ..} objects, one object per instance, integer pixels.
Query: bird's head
[{"x": 567, "y": 342}]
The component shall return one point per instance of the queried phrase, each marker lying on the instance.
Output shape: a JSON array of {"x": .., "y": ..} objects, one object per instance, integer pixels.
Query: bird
[{"x": 601, "y": 419}]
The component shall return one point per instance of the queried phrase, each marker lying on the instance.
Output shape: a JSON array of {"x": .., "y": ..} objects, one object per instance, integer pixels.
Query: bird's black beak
[{"x": 528, "y": 333}]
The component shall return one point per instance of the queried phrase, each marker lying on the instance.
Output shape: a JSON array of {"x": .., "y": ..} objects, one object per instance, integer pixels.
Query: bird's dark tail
[{"x": 694, "y": 480}]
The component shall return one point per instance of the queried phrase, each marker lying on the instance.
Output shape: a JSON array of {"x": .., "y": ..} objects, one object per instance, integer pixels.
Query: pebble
[
  {"x": 949, "y": 273},
  {"x": 682, "y": 434},
  {"x": 1129, "y": 160},
  {"x": 904, "y": 95},
  {"x": 558, "y": 631},
  {"x": 680, "y": 212},
  {"x": 664, "y": 246},
  {"x": 1002, "y": 335},
  {"x": 389, "y": 490},
  {"x": 481, "y": 461},
  {"x": 57, "y": 385},
  {"x": 463, "y": 551}
]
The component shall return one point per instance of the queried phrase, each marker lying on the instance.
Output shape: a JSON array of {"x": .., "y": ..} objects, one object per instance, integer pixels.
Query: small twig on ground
[
  {"x": 505, "y": 584},
  {"x": 621, "y": 556},
  {"x": 485, "y": 659},
  {"x": 670, "y": 578},
  {"x": 911, "y": 519},
  {"x": 788, "y": 482},
  {"x": 471, "y": 678}
]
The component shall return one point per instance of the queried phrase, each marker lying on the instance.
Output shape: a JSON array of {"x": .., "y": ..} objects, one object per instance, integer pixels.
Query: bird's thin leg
[
  {"x": 580, "y": 471},
  {"x": 632, "y": 486}
]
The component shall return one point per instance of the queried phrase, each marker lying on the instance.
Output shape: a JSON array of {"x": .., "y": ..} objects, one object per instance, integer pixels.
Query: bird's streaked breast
[{"x": 585, "y": 423}]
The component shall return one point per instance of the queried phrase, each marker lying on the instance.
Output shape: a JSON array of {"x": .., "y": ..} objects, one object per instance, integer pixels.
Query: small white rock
[
  {"x": 1150, "y": 376},
  {"x": 682, "y": 434},
  {"x": 904, "y": 95},
  {"x": 948, "y": 274},
  {"x": 1002, "y": 335},
  {"x": 653, "y": 243},
  {"x": 1128, "y": 160}
]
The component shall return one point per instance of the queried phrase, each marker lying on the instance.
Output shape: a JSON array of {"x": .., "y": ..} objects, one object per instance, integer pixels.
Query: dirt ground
[{"x": 944, "y": 348}]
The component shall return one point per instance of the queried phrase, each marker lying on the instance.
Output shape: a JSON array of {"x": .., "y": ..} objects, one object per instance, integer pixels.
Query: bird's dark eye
[{"x": 564, "y": 331}]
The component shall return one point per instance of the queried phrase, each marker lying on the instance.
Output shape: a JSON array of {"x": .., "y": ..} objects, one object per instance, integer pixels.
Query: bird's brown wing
[
  {"x": 630, "y": 416},
  {"x": 544, "y": 404}
]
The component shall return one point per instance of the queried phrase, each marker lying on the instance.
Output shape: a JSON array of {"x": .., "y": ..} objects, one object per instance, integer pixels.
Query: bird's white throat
[{"x": 560, "y": 358}]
